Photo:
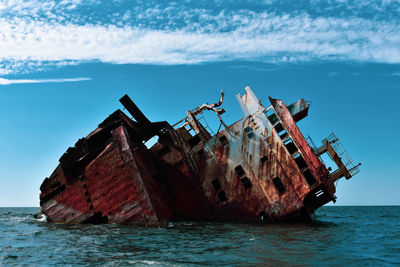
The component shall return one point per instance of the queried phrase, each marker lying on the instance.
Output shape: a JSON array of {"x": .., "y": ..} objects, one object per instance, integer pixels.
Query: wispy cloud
[
  {"x": 4, "y": 81},
  {"x": 177, "y": 34},
  {"x": 273, "y": 38}
]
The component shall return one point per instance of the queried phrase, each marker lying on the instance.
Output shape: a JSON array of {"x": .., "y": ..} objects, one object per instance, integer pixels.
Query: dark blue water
[{"x": 339, "y": 236}]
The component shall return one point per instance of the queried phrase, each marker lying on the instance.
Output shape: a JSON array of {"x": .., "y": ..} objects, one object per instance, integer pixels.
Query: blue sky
[{"x": 64, "y": 65}]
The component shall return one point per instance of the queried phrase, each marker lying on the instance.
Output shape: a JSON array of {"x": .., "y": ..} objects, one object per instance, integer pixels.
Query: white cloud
[
  {"x": 234, "y": 35},
  {"x": 4, "y": 81},
  {"x": 23, "y": 67},
  {"x": 32, "y": 7}
]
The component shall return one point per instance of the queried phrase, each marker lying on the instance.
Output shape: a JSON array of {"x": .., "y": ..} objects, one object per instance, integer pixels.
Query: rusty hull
[{"x": 259, "y": 169}]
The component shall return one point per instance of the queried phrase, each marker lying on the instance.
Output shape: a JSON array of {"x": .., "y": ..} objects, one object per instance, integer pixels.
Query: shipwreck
[{"x": 259, "y": 169}]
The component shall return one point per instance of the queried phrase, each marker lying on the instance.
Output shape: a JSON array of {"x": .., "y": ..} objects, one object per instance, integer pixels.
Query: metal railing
[
  {"x": 311, "y": 143},
  {"x": 203, "y": 121},
  {"x": 314, "y": 148},
  {"x": 342, "y": 153}
]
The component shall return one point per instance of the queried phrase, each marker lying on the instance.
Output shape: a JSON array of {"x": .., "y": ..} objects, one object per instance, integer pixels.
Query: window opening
[
  {"x": 301, "y": 163},
  {"x": 283, "y": 135},
  {"x": 264, "y": 159},
  {"x": 279, "y": 128},
  {"x": 190, "y": 130},
  {"x": 249, "y": 131},
  {"x": 279, "y": 185},
  {"x": 216, "y": 184},
  {"x": 290, "y": 146},
  {"x": 246, "y": 182},
  {"x": 239, "y": 170},
  {"x": 151, "y": 142},
  {"x": 222, "y": 196},
  {"x": 224, "y": 140},
  {"x": 272, "y": 117},
  {"x": 310, "y": 178},
  {"x": 281, "y": 131}
]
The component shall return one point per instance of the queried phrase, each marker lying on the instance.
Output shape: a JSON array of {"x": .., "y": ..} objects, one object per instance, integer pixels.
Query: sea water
[{"x": 338, "y": 236}]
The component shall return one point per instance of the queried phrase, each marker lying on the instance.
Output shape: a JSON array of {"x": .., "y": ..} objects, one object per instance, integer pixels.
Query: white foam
[
  {"x": 41, "y": 218},
  {"x": 150, "y": 263}
]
